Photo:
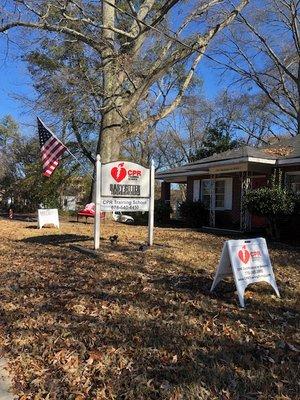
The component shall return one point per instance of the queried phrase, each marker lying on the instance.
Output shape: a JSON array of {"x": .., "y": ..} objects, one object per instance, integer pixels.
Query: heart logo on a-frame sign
[{"x": 244, "y": 255}]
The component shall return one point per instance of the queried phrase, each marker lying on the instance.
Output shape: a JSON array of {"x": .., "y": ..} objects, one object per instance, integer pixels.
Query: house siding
[{"x": 190, "y": 187}]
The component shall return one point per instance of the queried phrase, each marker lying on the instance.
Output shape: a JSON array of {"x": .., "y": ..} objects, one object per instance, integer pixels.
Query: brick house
[{"x": 220, "y": 181}]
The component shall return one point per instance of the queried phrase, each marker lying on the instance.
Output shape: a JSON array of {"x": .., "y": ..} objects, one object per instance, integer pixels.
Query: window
[
  {"x": 221, "y": 189},
  {"x": 220, "y": 194},
  {"x": 206, "y": 192},
  {"x": 296, "y": 187}
]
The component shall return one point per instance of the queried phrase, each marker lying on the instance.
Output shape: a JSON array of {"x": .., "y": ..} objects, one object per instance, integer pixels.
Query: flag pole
[{"x": 75, "y": 158}]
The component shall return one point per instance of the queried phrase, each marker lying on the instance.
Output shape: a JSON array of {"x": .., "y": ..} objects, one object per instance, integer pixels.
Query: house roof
[
  {"x": 239, "y": 152},
  {"x": 284, "y": 150}
]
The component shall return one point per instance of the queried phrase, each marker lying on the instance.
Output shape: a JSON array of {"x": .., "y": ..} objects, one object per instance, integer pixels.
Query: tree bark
[
  {"x": 109, "y": 142},
  {"x": 298, "y": 108}
]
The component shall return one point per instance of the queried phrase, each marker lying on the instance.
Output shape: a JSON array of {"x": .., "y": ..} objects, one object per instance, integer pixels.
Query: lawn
[{"x": 142, "y": 325}]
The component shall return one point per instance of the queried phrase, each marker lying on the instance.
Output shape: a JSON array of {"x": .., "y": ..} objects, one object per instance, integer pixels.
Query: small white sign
[
  {"x": 124, "y": 179},
  {"x": 229, "y": 168},
  {"x": 249, "y": 262},
  {"x": 48, "y": 216},
  {"x": 124, "y": 204}
]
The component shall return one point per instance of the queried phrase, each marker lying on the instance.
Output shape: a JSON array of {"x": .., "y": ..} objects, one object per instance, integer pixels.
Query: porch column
[
  {"x": 245, "y": 218},
  {"x": 212, "y": 211},
  {"x": 165, "y": 196},
  {"x": 165, "y": 192}
]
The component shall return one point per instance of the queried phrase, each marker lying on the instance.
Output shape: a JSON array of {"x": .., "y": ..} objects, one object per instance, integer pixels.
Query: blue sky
[{"x": 15, "y": 83}]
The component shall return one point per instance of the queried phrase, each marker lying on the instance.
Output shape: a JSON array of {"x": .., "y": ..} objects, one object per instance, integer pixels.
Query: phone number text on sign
[{"x": 124, "y": 204}]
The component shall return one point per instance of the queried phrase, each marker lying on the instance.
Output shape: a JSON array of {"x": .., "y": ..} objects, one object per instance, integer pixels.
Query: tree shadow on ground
[
  {"x": 128, "y": 329},
  {"x": 56, "y": 240}
]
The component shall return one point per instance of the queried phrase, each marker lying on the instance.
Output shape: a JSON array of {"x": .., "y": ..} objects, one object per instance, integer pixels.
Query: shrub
[
  {"x": 162, "y": 212},
  {"x": 140, "y": 217},
  {"x": 194, "y": 213},
  {"x": 274, "y": 203}
]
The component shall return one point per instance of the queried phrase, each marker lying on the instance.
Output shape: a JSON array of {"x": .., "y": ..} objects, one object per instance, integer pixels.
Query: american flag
[{"x": 51, "y": 148}]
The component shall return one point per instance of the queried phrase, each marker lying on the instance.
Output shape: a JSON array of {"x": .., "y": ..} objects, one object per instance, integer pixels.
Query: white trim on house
[
  {"x": 262, "y": 160},
  {"x": 203, "y": 169},
  {"x": 231, "y": 162},
  {"x": 293, "y": 173},
  {"x": 196, "y": 190},
  {"x": 287, "y": 161},
  {"x": 228, "y": 193}
]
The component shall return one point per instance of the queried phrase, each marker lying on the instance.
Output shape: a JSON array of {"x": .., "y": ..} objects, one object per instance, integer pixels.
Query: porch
[
  {"x": 221, "y": 184},
  {"x": 223, "y": 197}
]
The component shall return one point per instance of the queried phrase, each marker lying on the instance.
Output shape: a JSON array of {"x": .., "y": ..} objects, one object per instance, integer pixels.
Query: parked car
[{"x": 120, "y": 217}]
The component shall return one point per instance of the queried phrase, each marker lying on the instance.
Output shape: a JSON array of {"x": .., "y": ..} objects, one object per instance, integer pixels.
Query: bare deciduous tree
[
  {"x": 134, "y": 50},
  {"x": 264, "y": 49}
]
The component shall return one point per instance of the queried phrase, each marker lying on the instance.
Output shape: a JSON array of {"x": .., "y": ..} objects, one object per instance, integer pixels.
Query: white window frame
[
  {"x": 196, "y": 190},
  {"x": 227, "y": 194}
]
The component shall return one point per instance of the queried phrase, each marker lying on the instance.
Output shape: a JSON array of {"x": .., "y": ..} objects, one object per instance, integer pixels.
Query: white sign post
[
  {"x": 249, "y": 262},
  {"x": 123, "y": 186},
  {"x": 47, "y": 216},
  {"x": 97, "y": 204},
  {"x": 151, "y": 205}
]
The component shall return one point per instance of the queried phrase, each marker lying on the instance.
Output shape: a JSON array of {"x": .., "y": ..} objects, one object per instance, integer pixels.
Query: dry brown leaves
[
  {"x": 141, "y": 325},
  {"x": 282, "y": 151}
]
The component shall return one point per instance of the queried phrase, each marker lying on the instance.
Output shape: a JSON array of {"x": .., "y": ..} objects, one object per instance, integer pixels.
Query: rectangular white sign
[
  {"x": 124, "y": 204},
  {"x": 47, "y": 216},
  {"x": 249, "y": 262},
  {"x": 228, "y": 168},
  {"x": 124, "y": 179},
  {"x": 123, "y": 186}
]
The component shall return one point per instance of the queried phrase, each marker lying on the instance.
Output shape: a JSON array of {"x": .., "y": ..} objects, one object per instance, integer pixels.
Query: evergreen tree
[{"x": 217, "y": 138}]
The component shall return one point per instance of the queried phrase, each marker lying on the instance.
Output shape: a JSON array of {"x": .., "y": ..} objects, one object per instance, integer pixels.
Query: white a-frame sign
[{"x": 249, "y": 262}]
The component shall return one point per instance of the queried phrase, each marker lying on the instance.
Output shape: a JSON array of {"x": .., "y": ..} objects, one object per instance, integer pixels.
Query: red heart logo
[
  {"x": 244, "y": 255},
  {"x": 119, "y": 172}
]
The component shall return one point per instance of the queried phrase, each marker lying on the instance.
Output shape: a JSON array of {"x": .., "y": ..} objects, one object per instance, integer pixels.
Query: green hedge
[
  {"x": 276, "y": 203},
  {"x": 162, "y": 213},
  {"x": 194, "y": 213}
]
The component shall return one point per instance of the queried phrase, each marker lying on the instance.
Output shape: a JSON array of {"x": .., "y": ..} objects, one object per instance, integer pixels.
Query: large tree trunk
[
  {"x": 109, "y": 143},
  {"x": 298, "y": 109}
]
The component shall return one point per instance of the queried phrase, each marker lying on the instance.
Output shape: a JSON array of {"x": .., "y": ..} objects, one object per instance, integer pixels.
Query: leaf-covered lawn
[{"x": 141, "y": 325}]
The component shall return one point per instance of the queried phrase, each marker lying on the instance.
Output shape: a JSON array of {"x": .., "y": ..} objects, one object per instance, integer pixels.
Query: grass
[{"x": 141, "y": 325}]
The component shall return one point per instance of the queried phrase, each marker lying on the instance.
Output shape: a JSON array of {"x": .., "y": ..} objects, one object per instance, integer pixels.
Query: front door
[{"x": 258, "y": 221}]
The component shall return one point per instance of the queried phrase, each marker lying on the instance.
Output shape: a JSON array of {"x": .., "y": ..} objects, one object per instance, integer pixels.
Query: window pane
[
  {"x": 220, "y": 201},
  {"x": 296, "y": 188},
  {"x": 206, "y": 200},
  {"x": 295, "y": 183},
  {"x": 220, "y": 187},
  {"x": 206, "y": 186}
]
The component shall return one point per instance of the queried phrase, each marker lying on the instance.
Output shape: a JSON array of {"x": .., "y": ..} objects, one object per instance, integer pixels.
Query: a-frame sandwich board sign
[{"x": 249, "y": 262}]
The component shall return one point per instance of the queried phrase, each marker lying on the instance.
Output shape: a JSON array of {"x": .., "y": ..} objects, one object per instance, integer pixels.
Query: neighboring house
[
  {"x": 68, "y": 203},
  {"x": 220, "y": 181},
  {"x": 74, "y": 195}
]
